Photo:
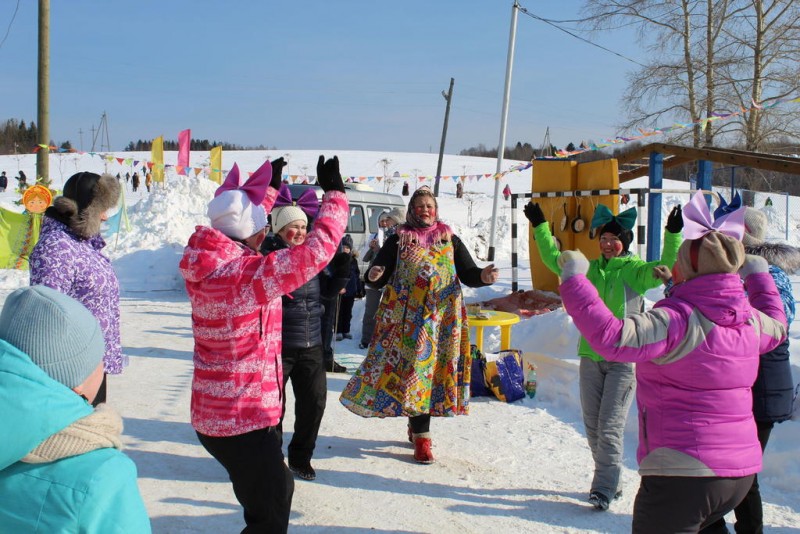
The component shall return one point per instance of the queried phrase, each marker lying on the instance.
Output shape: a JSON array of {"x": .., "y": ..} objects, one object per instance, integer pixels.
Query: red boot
[{"x": 422, "y": 448}]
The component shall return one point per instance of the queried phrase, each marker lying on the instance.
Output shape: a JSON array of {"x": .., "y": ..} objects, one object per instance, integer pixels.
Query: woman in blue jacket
[{"x": 61, "y": 469}]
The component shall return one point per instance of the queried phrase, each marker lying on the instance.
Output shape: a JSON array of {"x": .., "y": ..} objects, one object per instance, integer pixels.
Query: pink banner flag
[{"x": 184, "y": 138}]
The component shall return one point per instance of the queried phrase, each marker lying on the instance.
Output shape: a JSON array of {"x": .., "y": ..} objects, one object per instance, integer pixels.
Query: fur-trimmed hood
[
  {"x": 781, "y": 255},
  {"x": 87, "y": 196}
]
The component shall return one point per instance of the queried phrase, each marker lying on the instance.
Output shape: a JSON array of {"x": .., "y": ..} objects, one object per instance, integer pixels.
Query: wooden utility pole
[
  {"x": 449, "y": 97},
  {"x": 43, "y": 109}
]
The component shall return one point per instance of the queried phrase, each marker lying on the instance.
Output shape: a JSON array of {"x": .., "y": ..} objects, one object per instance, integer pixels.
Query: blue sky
[{"x": 314, "y": 74}]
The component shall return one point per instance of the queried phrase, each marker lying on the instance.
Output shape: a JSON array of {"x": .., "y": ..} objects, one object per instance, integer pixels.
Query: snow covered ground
[{"x": 521, "y": 467}]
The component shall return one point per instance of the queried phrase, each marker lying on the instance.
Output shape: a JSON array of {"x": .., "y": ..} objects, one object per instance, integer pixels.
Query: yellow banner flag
[
  {"x": 216, "y": 164},
  {"x": 157, "y": 152},
  {"x": 19, "y": 233}
]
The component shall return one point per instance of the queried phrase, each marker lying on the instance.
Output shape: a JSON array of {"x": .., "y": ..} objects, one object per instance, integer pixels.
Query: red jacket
[{"x": 236, "y": 319}]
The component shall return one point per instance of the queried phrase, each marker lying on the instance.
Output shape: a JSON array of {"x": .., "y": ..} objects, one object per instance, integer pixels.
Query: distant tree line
[
  {"x": 194, "y": 144},
  {"x": 17, "y": 137},
  {"x": 520, "y": 152}
]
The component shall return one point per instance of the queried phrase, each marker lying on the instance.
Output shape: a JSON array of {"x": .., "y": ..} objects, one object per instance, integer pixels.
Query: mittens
[
  {"x": 277, "y": 173},
  {"x": 328, "y": 176},
  {"x": 534, "y": 214},
  {"x": 572, "y": 262},
  {"x": 753, "y": 264},
  {"x": 675, "y": 220}
]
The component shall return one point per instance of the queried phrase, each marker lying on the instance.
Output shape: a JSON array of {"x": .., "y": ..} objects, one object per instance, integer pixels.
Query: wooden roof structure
[{"x": 675, "y": 155}]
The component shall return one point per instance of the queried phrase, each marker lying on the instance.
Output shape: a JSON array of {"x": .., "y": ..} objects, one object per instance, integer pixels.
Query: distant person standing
[
  {"x": 3, "y": 182},
  {"x": 506, "y": 192},
  {"x": 148, "y": 181},
  {"x": 22, "y": 180},
  {"x": 386, "y": 227},
  {"x": 405, "y": 189},
  {"x": 352, "y": 291},
  {"x": 459, "y": 190},
  {"x": 135, "y": 181}
]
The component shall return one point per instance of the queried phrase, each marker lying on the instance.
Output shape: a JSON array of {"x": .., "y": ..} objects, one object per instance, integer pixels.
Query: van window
[
  {"x": 374, "y": 214},
  {"x": 357, "y": 222}
]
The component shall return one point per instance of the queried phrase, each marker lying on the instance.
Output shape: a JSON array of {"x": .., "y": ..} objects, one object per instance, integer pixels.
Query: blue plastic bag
[{"x": 505, "y": 376}]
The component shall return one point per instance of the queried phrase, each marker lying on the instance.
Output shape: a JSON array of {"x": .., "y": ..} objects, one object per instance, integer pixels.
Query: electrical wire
[
  {"x": 8, "y": 30},
  {"x": 556, "y": 26}
]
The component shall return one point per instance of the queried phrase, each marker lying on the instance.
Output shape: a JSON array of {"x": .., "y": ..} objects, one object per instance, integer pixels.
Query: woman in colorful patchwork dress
[
  {"x": 606, "y": 387},
  {"x": 418, "y": 362}
]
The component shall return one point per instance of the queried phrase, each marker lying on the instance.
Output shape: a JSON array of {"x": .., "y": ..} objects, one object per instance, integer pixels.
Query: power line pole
[
  {"x": 43, "y": 95},
  {"x": 449, "y": 97},
  {"x": 512, "y": 38}
]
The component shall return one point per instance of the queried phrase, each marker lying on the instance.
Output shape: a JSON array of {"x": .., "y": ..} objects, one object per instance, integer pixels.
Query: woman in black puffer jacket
[{"x": 302, "y": 353}]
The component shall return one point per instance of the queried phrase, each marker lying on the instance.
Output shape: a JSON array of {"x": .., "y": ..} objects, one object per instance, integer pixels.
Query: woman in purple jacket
[
  {"x": 697, "y": 354},
  {"x": 68, "y": 257}
]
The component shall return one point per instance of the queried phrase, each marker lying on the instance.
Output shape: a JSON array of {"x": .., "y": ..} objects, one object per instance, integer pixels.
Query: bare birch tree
[{"x": 708, "y": 59}]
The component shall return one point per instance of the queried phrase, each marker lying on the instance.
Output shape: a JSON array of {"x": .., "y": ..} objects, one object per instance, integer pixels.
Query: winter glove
[
  {"x": 328, "y": 176},
  {"x": 675, "y": 220},
  {"x": 340, "y": 265},
  {"x": 572, "y": 262},
  {"x": 534, "y": 214},
  {"x": 753, "y": 264},
  {"x": 277, "y": 173}
]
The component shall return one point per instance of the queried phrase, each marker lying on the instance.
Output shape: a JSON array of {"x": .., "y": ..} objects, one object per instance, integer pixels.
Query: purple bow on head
[
  {"x": 256, "y": 186},
  {"x": 307, "y": 202},
  {"x": 698, "y": 222}
]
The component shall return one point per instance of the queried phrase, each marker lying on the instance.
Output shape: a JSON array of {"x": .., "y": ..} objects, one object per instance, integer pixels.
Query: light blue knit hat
[{"x": 58, "y": 333}]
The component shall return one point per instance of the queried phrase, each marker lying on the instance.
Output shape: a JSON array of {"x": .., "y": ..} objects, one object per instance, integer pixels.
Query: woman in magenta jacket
[{"x": 697, "y": 356}]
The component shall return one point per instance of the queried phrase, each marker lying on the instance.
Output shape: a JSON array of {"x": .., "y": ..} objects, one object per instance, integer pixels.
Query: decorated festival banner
[
  {"x": 216, "y": 165},
  {"x": 157, "y": 154},
  {"x": 184, "y": 140},
  {"x": 19, "y": 232}
]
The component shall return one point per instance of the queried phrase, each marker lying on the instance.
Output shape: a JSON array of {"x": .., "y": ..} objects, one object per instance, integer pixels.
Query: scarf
[
  {"x": 425, "y": 236},
  {"x": 101, "y": 429}
]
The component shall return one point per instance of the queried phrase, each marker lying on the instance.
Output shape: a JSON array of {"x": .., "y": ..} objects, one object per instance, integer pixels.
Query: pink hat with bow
[
  {"x": 236, "y": 209},
  {"x": 711, "y": 245}
]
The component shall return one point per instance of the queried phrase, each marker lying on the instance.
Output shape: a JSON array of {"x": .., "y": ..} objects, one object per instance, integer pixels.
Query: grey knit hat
[
  {"x": 755, "y": 226},
  {"x": 397, "y": 214},
  {"x": 58, "y": 333}
]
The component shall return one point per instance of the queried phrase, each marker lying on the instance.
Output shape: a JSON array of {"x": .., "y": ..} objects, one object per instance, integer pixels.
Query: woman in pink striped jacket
[{"x": 237, "y": 387}]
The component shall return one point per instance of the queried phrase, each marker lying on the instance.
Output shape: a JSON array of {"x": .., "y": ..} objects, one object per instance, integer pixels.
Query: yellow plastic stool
[{"x": 493, "y": 318}]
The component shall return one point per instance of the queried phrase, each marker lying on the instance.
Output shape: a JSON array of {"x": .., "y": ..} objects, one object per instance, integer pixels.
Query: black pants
[
  {"x": 328, "y": 319},
  {"x": 345, "y": 314},
  {"x": 262, "y": 483},
  {"x": 683, "y": 505},
  {"x": 420, "y": 424},
  {"x": 309, "y": 383},
  {"x": 749, "y": 512}
]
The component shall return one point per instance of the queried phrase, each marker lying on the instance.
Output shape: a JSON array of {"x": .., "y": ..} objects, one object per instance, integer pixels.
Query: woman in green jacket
[{"x": 621, "y": 278}]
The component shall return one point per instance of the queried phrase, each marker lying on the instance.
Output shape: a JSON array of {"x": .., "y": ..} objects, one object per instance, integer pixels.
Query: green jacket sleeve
[
  {"x": 547, "y": 247},
  {"x": 639, "y": 274}
]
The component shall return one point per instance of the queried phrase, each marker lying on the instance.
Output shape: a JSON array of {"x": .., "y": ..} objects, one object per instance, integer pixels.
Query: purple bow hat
[{"x": 307, "y": 202}]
